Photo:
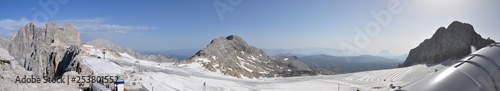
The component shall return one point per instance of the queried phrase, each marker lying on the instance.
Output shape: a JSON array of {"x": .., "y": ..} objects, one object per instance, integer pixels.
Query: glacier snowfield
[{"x": 166, "y": 77}]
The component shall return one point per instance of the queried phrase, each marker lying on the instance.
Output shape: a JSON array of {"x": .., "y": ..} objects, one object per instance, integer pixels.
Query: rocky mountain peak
[
  {"x": 232, "y": 56},
  {"x": 231, "y": 40},
  {"x": 51, "y": 24},
  {"x": 456, "y": 28},
  {"x": 453, "y": 42},
  {"x": 68, "y": 25},
  {"x": 233, "y": 43}
]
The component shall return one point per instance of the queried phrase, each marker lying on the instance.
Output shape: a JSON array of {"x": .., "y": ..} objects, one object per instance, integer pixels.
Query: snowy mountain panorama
[
  {"x": 453, "y": 42},
  {"x": 226, "y": 64}
]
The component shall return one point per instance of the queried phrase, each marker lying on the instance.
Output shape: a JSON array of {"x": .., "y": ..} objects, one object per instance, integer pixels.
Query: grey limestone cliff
[
  {"x": 41, "y": 50},
  {"x": 453, "y": 42}
]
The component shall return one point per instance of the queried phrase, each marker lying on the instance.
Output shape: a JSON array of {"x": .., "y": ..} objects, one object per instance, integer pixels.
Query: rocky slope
[
  {"x": 108, "y": 45},
  {"x": 4, "y": 55},
  {"x": 292, "y": 66},
  {"x": 453, "y": 42},
  {"x": 42, "y": 50},
  {"x": 232, "y": 56}
]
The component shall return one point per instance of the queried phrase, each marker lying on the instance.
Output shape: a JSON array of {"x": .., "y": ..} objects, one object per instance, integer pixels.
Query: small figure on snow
[{"x": 204, "y": 86}]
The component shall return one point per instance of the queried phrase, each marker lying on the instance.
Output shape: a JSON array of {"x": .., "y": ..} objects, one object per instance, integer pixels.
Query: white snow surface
[
  {"x": 126, "y": 55},
  {"x": 103, "y": 67},
  {"x": 191, "y": 77},
  {"x": 365, "y": 81}
]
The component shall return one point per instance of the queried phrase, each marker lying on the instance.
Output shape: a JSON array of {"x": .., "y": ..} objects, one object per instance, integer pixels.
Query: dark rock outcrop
[
  {"x": 67, "y": 63},
  {"x": 41, "y": 50},
  {"x": 453, "y": 42},
  {"x": 232, "y": 56}
]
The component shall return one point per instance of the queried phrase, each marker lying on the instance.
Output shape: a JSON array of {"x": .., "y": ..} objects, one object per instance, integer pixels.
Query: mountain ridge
[
  {"x": 453, "y": 42},
  {"x": 232, "y": 56},
  {"x": 107, "y": 44}
]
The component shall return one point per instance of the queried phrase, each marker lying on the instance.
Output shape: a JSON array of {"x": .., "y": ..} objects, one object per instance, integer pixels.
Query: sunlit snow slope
[{"x": 166, "y": 77}]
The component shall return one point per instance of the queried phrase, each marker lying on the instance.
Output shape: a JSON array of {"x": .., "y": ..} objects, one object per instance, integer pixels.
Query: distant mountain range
[
  {"x": 104, "y": 43},
  {"x": 182, "y": 54},
  {"x": 348, "y": 64},
  {"x": 327, "y": 51},
  {"x": 305, "y": 51},
  {"x": 179, "y": 54}
]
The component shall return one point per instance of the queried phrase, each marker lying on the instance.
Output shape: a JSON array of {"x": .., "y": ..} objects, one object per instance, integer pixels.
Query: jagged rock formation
[
  {"x": 232, "y": 56},
  {"x": 67, "y": 63},
  {"x": 41, "y": 50},
  {"x": 108, "y": 45},
  {"x": 453, "y": 42}
]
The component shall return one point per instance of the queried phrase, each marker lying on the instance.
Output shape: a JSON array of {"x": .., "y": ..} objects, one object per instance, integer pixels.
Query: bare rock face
[
  {"x": 41, "y": 50},
  {"x": 232, "y": 56},
  {"x": 453, "y": 42},
  {"x": 292, "y": 66},
  {"x": 108, "y": 45},
  {"x": 68, "y": 62}
]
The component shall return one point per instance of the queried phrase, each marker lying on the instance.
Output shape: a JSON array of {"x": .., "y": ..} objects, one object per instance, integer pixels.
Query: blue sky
[{"x": 158, "y": 25}]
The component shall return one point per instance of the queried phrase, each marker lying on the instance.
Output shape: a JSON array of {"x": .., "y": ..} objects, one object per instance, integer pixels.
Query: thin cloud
[
  {"x": 9, "y": 27},
  {"x": 98, "y": 25},
  {"x": 109, "y": 27},
  {"x": 93, "y": 20}
]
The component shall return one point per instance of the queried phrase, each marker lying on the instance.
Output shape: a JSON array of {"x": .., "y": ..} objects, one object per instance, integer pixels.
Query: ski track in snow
[{"x": 372, "y": 76}]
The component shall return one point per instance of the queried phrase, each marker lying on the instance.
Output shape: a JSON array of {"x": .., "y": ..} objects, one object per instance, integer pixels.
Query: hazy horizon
[{"x": 158, "y": 25}]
